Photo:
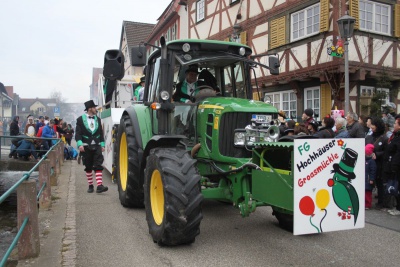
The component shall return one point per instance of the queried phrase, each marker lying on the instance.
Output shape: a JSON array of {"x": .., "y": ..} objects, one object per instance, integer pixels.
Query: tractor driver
[{"x": 189, "y": 87}]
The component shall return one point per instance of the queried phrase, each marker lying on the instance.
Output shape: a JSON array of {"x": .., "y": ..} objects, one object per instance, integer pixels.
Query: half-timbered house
[
  {"x": 172, "y": 24},
  {"x": 302, "y": 33}
]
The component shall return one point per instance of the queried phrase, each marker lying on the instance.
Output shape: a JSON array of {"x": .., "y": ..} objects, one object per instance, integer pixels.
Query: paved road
[
  {"x": 108, "y": 234},
  {"x": 95, "y": 230}
]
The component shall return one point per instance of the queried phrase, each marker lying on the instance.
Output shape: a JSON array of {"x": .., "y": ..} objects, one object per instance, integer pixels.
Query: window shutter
[
  {"x": 324, "y": 16},
  {"x": 255, "y": 96},
  {"x": 243, "y": 38},
  {"x": 397, "y": 20},
  {"x": 353, "y": 7},
  {"x": 326, "y": 100},
  {"x": 278, "y": 32}
]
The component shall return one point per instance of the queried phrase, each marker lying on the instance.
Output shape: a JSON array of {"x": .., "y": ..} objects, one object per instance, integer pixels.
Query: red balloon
[{"x": 307, "y": 206}]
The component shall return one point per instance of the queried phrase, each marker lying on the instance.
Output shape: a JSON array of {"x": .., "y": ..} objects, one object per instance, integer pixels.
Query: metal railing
[{"x": 15, "y": 186}]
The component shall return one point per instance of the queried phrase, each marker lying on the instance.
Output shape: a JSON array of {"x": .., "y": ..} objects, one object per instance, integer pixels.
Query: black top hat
[
  {"x": 142, "y": 79},
  {"x": 192, "y": 68},
  {"x": 89, "y": 104},
  {"x": 347, "y": 163}
]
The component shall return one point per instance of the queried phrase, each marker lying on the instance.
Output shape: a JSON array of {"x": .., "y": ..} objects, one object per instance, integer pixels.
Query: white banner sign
[{"x": 329, "y": 185}]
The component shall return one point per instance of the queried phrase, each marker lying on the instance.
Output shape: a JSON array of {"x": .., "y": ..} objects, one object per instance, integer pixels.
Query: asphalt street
[{"x": 98, "y": 231}]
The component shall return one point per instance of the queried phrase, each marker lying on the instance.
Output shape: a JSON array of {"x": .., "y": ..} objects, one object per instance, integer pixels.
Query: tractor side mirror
[
  {"x": 138, "y": 56},
  {"x": 274, "y": 65},
  {"x": 114, "y": 65}
]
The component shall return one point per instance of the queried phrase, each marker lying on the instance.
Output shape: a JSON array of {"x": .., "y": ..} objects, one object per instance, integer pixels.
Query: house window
[
  {"x": 374, "y": 17},
  {"x": 367, "y": 91},
  {"x": 312, "y": 99},
  {"x": 385, "y": 100},
  {"x": 305, "y": 22},
  {"x": 173, "y": 32},
  {"x": 126, "y": 53},
  {"x": 200, "y": 10},
  {"x": 285, "y": 100}
]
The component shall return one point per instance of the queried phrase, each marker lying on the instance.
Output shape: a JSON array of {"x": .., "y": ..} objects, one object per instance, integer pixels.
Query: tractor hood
[{"x": 231, "y": 104}]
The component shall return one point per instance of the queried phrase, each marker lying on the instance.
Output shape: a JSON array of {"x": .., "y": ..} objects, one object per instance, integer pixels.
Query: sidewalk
[{"x": 57, "y": 224}]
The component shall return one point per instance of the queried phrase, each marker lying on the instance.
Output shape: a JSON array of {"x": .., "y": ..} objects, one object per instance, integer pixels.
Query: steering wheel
[{"x": 191, "y": 96}]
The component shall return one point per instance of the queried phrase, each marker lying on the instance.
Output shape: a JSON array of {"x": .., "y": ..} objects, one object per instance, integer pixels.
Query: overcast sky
[{"x": 53, "y": 45}]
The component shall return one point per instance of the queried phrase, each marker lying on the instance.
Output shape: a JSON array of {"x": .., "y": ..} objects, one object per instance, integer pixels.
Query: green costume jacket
[{"x": 83, "y": 134}]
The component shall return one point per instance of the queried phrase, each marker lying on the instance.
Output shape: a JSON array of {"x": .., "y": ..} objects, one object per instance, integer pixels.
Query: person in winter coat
[
  {"x": 363, "y": 121},
  {"x": 30, "y": 126},
  {"x": 379, "y": 139},
  {"x": 341, "y": 131},
  {"x": 69, "y": 132},
  {"x": 355, "y": 129},
  {"x": 370, "y": 174},
  {"x": 326, "y": 130},
  {"x": 391, "y": 159},
  {"x": 14, "y": 127},
  {"x": 307, "y": 116},
  {"x": 26, "y": 148},
  {"x": 48, "y": 132},
  {"x": 14, "y": 131}
]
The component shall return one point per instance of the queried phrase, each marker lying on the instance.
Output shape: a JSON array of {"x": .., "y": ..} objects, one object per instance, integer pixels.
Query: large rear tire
[
  {"x": 285, "y": 220},
  {"x": 172, "y": 196},
  {"x": 130, "y": 187}
]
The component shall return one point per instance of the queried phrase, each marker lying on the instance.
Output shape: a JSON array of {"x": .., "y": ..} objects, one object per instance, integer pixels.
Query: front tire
[
  {"x": 130, "y": 186},
  {"x": 172, "y": 196}
]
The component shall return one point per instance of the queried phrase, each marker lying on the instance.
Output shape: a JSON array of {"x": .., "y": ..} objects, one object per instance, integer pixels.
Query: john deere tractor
[{"x": 221, "y": 145}]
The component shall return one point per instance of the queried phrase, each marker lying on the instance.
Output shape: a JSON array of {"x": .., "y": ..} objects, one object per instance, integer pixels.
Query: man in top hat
[
  {"x": 188, "y": 88},
  {"x": 138, "y": 96},
  {"x": 90, "y": 141}
]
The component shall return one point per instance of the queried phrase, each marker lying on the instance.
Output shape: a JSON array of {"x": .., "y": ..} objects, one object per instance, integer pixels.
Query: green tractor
[{"x": 221, "y": 145}]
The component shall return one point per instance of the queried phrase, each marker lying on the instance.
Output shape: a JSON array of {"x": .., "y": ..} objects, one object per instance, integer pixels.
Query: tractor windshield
[{"x": 224, "y": 74}]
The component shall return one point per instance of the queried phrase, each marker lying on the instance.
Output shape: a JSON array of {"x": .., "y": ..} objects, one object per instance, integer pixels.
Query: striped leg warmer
[
  {"x": 89, "y": 178},
  {"x": 99, "y": 177}
]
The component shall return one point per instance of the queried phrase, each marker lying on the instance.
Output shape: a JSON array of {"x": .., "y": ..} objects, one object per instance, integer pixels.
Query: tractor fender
[
  {"x": 135, "y": 122},
  {"x": 160, "y": 141}
]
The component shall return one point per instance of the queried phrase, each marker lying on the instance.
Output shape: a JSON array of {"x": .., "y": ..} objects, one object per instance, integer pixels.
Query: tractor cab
[{"x": 221, "y": 70}]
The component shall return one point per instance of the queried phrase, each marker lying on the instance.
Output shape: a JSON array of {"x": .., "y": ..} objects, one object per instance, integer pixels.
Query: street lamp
[{"x": 346, "y": 27}]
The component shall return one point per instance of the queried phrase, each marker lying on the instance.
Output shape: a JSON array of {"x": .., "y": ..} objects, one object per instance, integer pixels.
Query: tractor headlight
[
  {"x": 239, "y": 138},
  {"x": 186, "y": 47},
  {"x": 242, "y": 51},
  {"x": 164, "y": 95}
]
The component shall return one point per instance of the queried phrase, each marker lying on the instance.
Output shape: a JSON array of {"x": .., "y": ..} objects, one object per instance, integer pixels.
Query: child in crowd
[{"x": 370, "y": 174}]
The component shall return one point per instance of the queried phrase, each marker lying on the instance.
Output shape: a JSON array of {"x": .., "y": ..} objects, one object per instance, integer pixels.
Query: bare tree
[{"x": 61, "y": 102}]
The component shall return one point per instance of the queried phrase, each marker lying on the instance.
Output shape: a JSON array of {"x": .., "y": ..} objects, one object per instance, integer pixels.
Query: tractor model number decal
[{"x": 216, "y": 121}]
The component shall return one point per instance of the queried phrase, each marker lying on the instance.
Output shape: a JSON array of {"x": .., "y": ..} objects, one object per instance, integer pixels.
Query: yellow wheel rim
[
  {"x": 157, "y": 197},
  {"x": 123, "y": 162}
]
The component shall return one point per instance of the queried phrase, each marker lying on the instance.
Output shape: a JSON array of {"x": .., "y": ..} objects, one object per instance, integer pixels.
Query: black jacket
[
  {"x": 14, "y": 128},
  {"x": 356, "y": 130},
  {"x": 84, "y": 136},
  {"x": 325, "y": 133},
  {"x": 391, "y": 158}
]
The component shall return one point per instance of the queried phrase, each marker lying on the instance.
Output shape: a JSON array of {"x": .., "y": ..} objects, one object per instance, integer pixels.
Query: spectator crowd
[{"x": 33, "y": 138}]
